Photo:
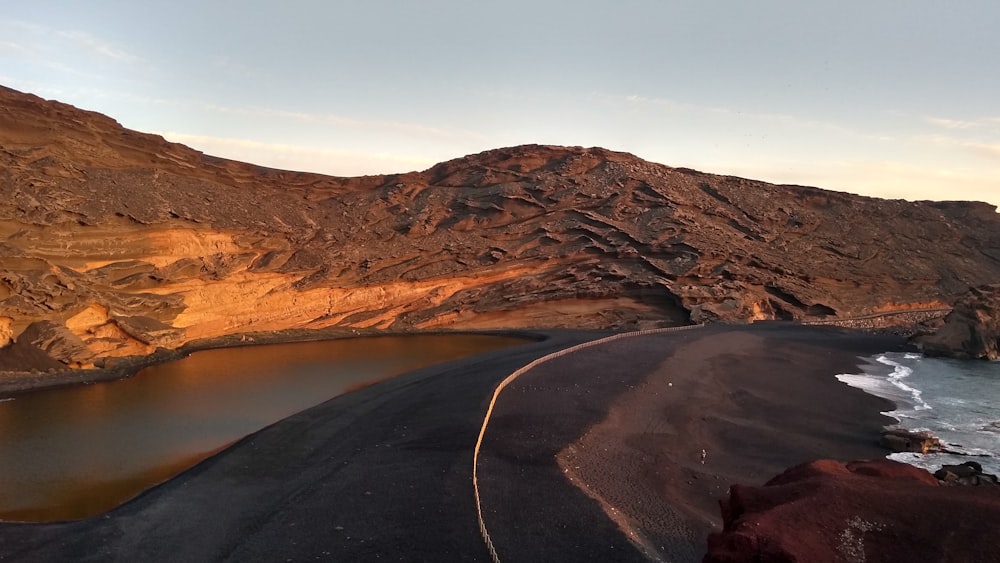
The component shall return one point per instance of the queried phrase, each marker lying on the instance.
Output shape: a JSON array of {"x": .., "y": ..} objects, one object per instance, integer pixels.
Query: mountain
[{"x": 115, "y": 243}]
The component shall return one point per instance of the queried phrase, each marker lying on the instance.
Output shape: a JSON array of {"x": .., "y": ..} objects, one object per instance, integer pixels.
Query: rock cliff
[
  {"x": 972, "y": 330},
  {"x": 115, "y": 243}
]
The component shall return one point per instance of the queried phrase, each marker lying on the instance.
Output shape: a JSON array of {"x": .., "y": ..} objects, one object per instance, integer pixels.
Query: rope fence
[
  {"x": 918, "y": 314},
  {"x": 510, "y": 378}
]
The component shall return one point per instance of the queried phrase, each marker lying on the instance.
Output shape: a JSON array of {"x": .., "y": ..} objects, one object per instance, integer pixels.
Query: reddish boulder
[{"x": 861, "y": 511}]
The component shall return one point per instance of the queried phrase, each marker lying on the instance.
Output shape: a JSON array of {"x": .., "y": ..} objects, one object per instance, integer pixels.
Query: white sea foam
[
  {"x": 959, "y": 402},
  {"x": 897, "y": 377}
]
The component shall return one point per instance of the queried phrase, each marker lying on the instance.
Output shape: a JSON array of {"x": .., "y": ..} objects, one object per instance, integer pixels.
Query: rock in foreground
[
  {"x": 871, "y": 511},
  {"x": 969, "y": 473},
  {"x": 972, "y": 330}
]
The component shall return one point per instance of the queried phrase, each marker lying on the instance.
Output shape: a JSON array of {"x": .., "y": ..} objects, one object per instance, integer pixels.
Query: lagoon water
[
  {"x": 958, "y": 401},
  {"x": 78, "y": 451}
]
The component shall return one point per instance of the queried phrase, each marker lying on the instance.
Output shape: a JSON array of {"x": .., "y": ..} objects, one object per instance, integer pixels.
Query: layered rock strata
[{"x": 116, "y": 243}]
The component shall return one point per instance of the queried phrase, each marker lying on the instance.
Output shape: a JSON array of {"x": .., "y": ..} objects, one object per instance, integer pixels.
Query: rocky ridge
[{"x": 116, "y": 243}]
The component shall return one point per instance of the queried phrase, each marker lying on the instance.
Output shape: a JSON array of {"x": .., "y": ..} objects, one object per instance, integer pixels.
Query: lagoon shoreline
[
  {"x": 385, "y": 472},
  {"x": 16, "y": 382}
]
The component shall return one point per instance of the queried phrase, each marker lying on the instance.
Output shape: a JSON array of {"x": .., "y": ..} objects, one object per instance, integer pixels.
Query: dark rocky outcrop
[
  {"x": 972, "y": 330},
  {"x": 901, "y": 440},
  {"x": 871, "y": 511},
  {"x": 129, "y": 242},
  {"x": 968, "y": 473}
]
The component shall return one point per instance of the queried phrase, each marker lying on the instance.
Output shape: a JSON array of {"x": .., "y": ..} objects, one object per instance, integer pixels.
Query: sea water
[{"x": 957, "y": 401}]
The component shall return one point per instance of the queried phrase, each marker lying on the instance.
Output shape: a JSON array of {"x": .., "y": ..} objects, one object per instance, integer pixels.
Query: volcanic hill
[{"x": 114, "y": 243}]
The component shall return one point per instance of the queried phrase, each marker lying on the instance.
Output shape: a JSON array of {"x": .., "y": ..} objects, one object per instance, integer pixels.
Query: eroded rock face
[
  {"x": 972, "y": 330},
  {"x": 902, "y": 440},
  {"x": 100, "y": 226},
  {"x": 6, "y": 332},
  {"x": 861, "y": 511}
]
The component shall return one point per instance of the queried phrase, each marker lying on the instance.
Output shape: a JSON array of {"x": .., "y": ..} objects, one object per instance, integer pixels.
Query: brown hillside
[{"x": 114, "y": 242}]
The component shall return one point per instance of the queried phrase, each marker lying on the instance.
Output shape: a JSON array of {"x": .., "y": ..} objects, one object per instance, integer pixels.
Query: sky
[{"x": 896, "y": 99}]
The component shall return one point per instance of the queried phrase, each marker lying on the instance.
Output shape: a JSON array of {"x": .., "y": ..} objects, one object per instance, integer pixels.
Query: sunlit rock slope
[{"x": 114, "y": 243}]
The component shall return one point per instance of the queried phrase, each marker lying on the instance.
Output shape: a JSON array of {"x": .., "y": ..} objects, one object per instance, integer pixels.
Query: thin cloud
[
  {"x": 734, "y": 113},
  {"x": 979, "y": 148},
  {"x": 952, "y": 123},
  {"x": 879, "y": 178},
  {"x": 17, "y": 50},
  {"x": 302, "y": 158},
  {"x": 18, "y": 43},
  {"x": 33, "y": 41},
  {"x": 410, "y": 129},
  {"x": 23, "y": 25},
  {"x": 237, "y": 70},
  {"x": 984, "y": 149},
  {"x": 30, "y": 86},
  {"x": 99, "y": 46}
]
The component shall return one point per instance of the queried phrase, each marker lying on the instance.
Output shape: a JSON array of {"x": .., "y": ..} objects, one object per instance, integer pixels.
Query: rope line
[
  {"x": 877, "y": 316},
  {"x": 503, "y": 384}
]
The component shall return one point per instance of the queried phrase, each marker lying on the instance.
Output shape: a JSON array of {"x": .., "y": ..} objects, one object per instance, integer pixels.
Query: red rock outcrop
[
  {"x": 119, "y": 242},
  {"x": 972, "y": 330},
  {"x": 872, "y": 511}
]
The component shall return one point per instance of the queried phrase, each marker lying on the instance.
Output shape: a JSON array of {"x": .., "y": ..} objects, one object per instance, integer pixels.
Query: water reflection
[{"x": 78, "y": 451}]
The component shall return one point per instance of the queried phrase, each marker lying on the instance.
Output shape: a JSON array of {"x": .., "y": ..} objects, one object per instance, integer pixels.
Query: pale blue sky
[{"x": 894, "y": 99}]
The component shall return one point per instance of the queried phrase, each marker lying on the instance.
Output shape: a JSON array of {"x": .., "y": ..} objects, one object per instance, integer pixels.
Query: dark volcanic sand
[
  {"x": 385, "y": 473},
  {"x": 626, "y": 422}
]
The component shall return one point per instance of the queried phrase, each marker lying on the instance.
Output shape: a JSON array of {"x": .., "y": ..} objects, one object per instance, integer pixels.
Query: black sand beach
[
  {"x": 614, "y": 433},
  {"x": 384, "y": 473}
]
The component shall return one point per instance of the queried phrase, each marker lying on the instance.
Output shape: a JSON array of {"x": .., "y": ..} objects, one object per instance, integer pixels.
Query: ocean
[{"x": 957, "y": 401}]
